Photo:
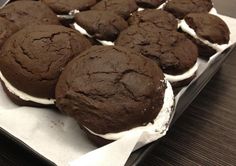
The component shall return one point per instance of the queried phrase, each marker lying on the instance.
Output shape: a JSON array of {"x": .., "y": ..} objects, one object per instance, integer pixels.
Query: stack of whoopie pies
[{"x": 114, "y": 68}]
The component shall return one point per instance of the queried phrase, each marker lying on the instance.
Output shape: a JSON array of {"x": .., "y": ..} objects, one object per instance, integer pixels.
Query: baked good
[
  {"x": 150, "y": 3},
  {"x": 180, "y": 8},
  {"x": 102, "y": 25},
  {"x": 121, "y": 7},
  {"x": 160, "y": 18},
  {"x": 7, "y": 29},
  {"x": 173, "y": 51},
  {"x": 32, "y": 59},
  {"x": 65, "y": 6},
  {"x": 209, "y": 32},
  {"x": 110, "y": 89},
  {"x": 24, "y": 13}
]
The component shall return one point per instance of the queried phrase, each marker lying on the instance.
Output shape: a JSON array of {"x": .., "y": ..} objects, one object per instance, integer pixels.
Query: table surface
[{"x": 204, "y": 135}]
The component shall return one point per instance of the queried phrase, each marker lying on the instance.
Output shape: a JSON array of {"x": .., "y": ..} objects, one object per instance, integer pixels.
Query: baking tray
[{"x": 185, "y": 100}]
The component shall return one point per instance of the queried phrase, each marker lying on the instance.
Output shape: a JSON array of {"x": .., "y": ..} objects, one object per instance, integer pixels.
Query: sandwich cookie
[
  {"x": 209, "y": 32},
  {"x": 160, "y": 18},
  {"x": 180, "y": 8},
  {"x": 171, "y": 50},
  {"x": 32, "y": 60},
  {"x": 24, "y": 13},
  {"x": 103, "y": 26},
  {"x": 112, "y": 91},
  {"x": 65, "y": 6},
  {"x": 122, "y": 8}
]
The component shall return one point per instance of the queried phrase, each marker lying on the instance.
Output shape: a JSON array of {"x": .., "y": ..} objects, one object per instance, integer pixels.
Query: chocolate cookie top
[
  {"x": 65, "y": 6},
  {"x": 180, "y": 8},
  {"x": 209, "y": 27},
  {"x": 7, "y": 29},
  {"x": 160, "y": 18},
  {"x": 174, "y": 52},
  {"x": 109, "y": 89},
  {"x": 24, "y": 13},
  {"x": 103, "y": 25},
  {"x": 33, "y": 58},
  {"x": 121, "y": 7},
  {"x": 150, "y": 3}
]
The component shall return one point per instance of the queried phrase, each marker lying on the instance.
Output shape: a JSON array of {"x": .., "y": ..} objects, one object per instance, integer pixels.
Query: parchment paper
[{"x": 59, "y": 138}]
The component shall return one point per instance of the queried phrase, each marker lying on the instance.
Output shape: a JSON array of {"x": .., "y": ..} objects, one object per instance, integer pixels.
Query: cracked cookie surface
[
  {"x": 103, "y": 25},
  {"x": 160, "y": 18},
  {"x": 24, "y": 13},
  {"x": 111, "y": 89},
  {"x": 33, "y": 58},
  {"x": 121, "y": 7},
  {"x": 209, "y": 27},
  {"x": 7, "y": 29},
  {"x": 173, "y": 51},
  {"x": 180, "y": 8},
  {"x": 65, "y": 6}
]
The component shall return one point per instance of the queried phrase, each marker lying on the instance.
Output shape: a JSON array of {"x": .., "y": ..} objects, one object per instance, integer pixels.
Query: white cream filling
[
  {"x": 213, "y": 11},
  {"x": 184, "y": 76},
  {"x": 162, "y": 5},
  {"x": 139, "y": 9},
  {"x": 73, "y": 12},
  {"x": 84, "y": 32},
  {"x": 157, "y": 126},
  {"x": 24, "y": 96},
  {"x": 186, "y": 28},
  {"x": 158, "y": 8}
]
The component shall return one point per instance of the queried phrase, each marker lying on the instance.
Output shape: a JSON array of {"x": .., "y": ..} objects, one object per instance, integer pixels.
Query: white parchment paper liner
[{"x": 60, "y": 139}]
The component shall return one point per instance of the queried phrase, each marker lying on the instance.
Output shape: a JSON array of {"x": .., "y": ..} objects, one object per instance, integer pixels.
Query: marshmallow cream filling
[
  {"x": 184, "y": 76},
  {"x": 158, "y": 124},
  {"x": 23, "y": 95},
  {"x": 162, "y": 5},
  {"x": 213, "y": 11},
  {"x": 186, "y": 28},
  {"x": 159, "y": 7},
  {"x": 84, "y": 32}
]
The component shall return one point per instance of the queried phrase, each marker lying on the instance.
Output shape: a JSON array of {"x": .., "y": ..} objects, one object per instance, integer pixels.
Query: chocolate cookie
[
  {"x": 33, "y": 58},
  {"x": 150, "y": 3},
  {"x": 160, "y": 18},
  {"x": 180, "y": 8},
  {"x": 24, "y": 13},
  {"x": 209, "y": 27},
  {"x": 65, "y": 6},
  {"x": 110, "y": 89},
  {"x": 208, "y": 31},
  {"x": 7, "y": 29},
  {"x": 121, "y": 7},
  {"x": 174, "y": 52},
  {"x": 103, "y": 25}
]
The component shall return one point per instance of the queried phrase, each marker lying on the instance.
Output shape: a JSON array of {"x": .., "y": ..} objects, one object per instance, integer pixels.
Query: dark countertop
[{"x": 204, "y": 135}]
